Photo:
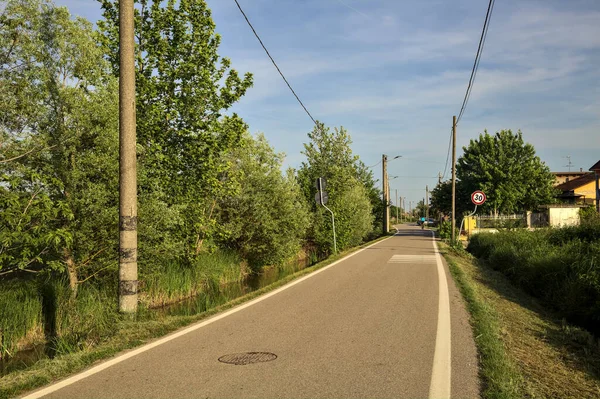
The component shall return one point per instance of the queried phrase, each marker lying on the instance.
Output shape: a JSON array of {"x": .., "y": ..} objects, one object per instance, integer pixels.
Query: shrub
[{"x": 559, "y": 266}]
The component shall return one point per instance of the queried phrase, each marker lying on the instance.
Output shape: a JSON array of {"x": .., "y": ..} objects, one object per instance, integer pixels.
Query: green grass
[
  {"x": 33, "y": 312},
  {"x": 499, "y": 375},
  {"x": 525, "y": 350},
  {"x": 20, "y": 316},
  {"x": 559, "y": 266},
  {"x": 132, "y": 333},
  {"x": 177, "y": 280}
]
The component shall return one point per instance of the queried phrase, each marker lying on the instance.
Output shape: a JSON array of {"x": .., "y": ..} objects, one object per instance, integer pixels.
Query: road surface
[{"x": 365, "y": 327}]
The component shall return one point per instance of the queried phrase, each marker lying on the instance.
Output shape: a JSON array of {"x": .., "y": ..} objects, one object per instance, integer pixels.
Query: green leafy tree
[
  {"x": 268, "y": 217},
  {"x": 58, "y": 175},
  {"x": 441, "y": 199},
  {"x": 507, "y": 170},
  {"x": 183, "y": 89},
  {"x": 365, "y": 176},
  {"x": 329, "y": 155},
  {"x": 420, "y": 210}
]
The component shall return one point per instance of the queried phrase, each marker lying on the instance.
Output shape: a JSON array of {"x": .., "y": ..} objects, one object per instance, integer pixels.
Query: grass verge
[
  {"x": 130, "y": 334},
  {"x": 525, "y": 351}
]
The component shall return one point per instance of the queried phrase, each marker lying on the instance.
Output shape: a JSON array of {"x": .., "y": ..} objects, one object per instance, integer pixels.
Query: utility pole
[
  {"x": 389, "y": 200},
  {"x": 396, "y": 205},
  {"x": 385, "y": 198},
  {"x": 454, "y": 179},
  {"x": 403, "y": 206},
  {"x": 128, "y": 273},
  {"x": 439, "y": 177},
  {"x": 427, "y": 203}
]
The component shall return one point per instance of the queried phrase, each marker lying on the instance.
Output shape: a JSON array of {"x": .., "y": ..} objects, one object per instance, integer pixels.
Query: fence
[{"x": 500, "y": 221}]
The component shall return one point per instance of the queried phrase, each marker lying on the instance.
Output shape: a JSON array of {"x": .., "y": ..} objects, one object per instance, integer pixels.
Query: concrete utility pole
[
  {"x": 439, "y": 177},
  {"x": 403, "y": 206},
  {"x": 427, "y": 203},
  {"x": 386, "y": 225},
  {"x": 128, "y": 274},
  {"x": 396, "y": 205},
  {"x": 454, "y": 178},
  {"x": 389, "y": 197}
]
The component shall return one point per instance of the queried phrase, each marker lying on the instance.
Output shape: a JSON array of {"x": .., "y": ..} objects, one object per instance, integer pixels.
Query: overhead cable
[
  {"x": 274, "y": 63},
  {"x": 486, "y": 25}
]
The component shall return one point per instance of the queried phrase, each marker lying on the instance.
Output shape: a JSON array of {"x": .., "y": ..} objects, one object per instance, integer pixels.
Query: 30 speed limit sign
[{"x": 478, "y": 197}]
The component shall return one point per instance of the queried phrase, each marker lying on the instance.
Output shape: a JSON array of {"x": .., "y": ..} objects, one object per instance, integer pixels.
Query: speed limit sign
[{"x": 478, "y": 197}]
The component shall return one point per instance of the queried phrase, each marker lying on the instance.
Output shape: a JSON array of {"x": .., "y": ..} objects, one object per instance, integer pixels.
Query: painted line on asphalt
[
  {"x": 94, "y": 370},
  {"x": 441, "y": 373}
]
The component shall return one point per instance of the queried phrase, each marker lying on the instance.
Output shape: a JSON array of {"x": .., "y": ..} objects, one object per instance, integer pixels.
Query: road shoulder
[{"x": 524, "y": 350}]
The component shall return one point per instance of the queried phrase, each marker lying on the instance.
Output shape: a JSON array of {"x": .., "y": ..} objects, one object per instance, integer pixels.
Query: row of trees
[
  {"x": 204, "y": 182},
  {"x": 503, "y": 166}
]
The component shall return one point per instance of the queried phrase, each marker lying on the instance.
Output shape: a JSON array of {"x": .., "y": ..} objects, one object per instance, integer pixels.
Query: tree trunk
[
  {"x": 200, "y": 241},
  {"x": 71, "y": 271}
]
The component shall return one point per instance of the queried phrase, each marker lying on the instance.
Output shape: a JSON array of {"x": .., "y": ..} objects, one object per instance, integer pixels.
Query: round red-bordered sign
[{"x": 478, "y": 197}]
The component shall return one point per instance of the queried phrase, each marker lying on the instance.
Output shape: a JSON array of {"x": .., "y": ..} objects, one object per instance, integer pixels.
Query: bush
[{"x": 559, "y": 266}]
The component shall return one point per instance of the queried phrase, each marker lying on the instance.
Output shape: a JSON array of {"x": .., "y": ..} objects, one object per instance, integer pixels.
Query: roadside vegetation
[
  {"x": 503, "y": 166},
  {"x": 215, "y": 205},
  {"x": 127, "y": 333},
  {"x": 525, "y": 349},
  {"x": 559, "y": 266}
]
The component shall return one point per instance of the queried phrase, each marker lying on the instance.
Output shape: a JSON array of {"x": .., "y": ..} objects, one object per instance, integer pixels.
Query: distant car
[{"x": 429, "y": 222}]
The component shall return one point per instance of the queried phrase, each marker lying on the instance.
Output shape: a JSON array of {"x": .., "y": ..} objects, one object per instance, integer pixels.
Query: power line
[
  {"x": 353, "y": 9},
  {"x": 447, "y": 155},
  {"x": 486, "y": 25},
  {"x": 273, "y": 61}
]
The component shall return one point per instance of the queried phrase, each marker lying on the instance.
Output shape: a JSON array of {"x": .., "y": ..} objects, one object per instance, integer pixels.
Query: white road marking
[
  {"x": 78, "y": 377},
  {"x": 440, "y": 376},
  {"x": 412, "y": 259}
]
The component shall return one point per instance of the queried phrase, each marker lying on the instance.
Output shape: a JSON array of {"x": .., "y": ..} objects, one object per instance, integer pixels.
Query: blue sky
[{"x": 393, "y": 73}]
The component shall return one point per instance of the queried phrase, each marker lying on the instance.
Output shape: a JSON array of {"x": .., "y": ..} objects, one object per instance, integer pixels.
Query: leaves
[
  {"x": 507, "y": 170},
  {"x": 349, "y": 186}
]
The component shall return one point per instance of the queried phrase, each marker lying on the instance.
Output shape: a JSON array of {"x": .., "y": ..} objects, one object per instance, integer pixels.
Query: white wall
[{"x": 564, "y": 217}]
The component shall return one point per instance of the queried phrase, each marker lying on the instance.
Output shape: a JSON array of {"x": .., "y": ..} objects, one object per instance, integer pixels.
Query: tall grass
[
  {"x": 559, "y": 266},
  {"x": 181, "y": 279},
  {"x": 44, "y": 311},
  {"x": 20, "y": 316}
]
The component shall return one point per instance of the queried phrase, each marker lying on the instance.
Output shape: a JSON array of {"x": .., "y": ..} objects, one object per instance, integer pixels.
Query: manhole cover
[{"x": 247, "y": 358}]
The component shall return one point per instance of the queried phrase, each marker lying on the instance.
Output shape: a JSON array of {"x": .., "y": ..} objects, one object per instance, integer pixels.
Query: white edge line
[
  {"x": 78, "y": 377},
  {"x": 440, "y": 386}
]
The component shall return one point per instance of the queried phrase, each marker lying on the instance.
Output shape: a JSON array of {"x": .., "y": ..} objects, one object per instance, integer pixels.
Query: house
[
  {"x": 580, "y": 190},
  {"x": 596, "y": 170},
  {"x": 563, "y": 177}
]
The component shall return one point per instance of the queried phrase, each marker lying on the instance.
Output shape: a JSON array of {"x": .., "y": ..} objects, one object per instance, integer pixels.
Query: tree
[
  {"x": 507, "y": 170},
  {"x": 441, "y": 199},
  {"x": 267, "y": 219},
  {"x": 59, "y": 196},
  {"x": 365, "y": 176},
  {"x": 328, "y": 155},
  {"x": 183, "y": 89}
]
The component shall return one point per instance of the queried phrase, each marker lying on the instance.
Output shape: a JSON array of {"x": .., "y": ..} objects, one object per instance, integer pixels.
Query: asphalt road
[{"x": 366, "y": 327}]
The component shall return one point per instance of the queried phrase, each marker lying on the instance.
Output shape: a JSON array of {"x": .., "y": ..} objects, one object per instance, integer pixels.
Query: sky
[{"x": 394, "y": 72}]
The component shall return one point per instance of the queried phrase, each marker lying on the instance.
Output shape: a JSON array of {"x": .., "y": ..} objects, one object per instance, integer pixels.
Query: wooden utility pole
[
  {"x": 454, "y": 179},
  {"x": 128, "y": 274},
  {"x": 385, "y": 198},
  {"x": 426, "y": 203}
]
